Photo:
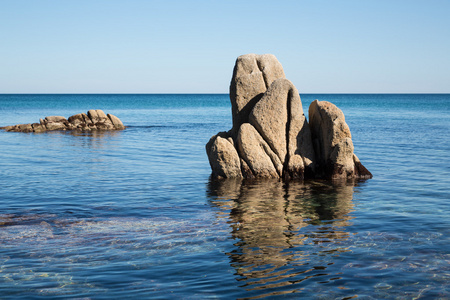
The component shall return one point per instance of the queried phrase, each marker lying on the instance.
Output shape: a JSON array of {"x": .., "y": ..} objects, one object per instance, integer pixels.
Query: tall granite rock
[{"x": 271, "y": 137}]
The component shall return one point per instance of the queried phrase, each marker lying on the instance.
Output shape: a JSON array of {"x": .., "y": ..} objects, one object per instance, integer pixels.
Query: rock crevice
[{"x": 271, "y": 137}]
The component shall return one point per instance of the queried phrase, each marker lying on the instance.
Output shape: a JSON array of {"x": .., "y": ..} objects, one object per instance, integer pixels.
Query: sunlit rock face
[
  {"x": 92, "y": 121},
  {"x": 271, "y": 137},
  {"x": 252, "y": 76}
]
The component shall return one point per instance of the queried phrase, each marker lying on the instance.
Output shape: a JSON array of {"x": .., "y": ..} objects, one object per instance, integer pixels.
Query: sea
[{"x": 135, "y": 214}]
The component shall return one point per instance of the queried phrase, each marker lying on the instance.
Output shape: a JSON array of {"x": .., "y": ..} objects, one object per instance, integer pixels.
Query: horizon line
[{"x": 309, "y": 93}]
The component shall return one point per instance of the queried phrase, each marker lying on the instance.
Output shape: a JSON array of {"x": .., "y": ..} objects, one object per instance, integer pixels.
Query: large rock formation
[
  {"x": 271, "y": 136},
  {"x": 93, "y": 120}
]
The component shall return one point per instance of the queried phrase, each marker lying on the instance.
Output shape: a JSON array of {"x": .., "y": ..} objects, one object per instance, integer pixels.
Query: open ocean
[{"x": 133, "y": 213}]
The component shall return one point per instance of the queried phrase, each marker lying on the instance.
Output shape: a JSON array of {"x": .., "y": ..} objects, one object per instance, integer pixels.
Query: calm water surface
[{"x": 134, "y": 213}]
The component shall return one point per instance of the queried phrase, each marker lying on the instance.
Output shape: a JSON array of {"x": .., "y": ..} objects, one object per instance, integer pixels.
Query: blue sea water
[{"x": 134, "y": 213}]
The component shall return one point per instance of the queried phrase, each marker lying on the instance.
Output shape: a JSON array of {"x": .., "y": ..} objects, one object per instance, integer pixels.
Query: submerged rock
[
  {"x": 94, "y": 120},
  {"x": 271, "y": 137}
]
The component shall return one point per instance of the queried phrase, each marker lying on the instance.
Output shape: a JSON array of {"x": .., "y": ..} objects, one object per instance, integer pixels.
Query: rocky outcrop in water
[
  {"x": 332, "y": 142},
  {"x": 271, "y": 137},
  {"x": 93, "y": 120}
]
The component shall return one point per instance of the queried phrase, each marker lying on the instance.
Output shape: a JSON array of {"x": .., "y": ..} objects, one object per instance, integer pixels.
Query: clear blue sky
[{"x": 131, "y": 46}]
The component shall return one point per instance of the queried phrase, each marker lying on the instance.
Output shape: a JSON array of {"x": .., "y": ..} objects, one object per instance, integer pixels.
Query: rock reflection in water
[
  {"x": 284, "y": 231},
  {"x": 93, "y": 139}
]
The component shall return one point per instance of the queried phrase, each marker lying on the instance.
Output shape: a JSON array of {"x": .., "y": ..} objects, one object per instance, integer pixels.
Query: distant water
[{"x": 133, "y": 214}]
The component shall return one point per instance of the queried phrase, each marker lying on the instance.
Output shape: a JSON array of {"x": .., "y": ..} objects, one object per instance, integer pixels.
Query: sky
[{"x": 132, "y": 46}]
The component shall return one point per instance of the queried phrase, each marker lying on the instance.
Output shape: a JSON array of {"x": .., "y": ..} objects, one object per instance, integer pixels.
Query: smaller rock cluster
[{"x": 93, "y": 120}]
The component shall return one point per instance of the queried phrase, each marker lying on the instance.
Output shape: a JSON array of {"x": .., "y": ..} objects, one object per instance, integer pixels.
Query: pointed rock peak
[
  {"x": 252, "y": 75},
  {"x": 270, "y": 68}
]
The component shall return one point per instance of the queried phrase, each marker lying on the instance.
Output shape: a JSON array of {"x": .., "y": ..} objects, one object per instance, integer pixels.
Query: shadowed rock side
[
  {"x": 271, "y": 137},
  {"x": 93, "y": 120}
]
